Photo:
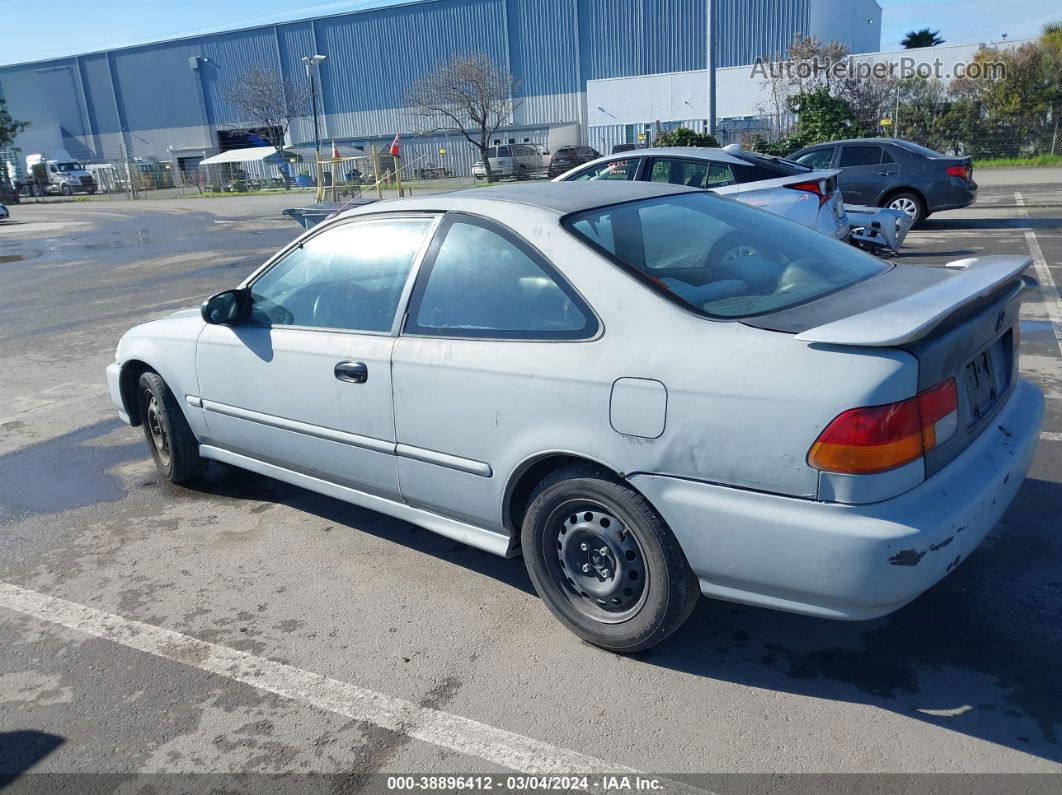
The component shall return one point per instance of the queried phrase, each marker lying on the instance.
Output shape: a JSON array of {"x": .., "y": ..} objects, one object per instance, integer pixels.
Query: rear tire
[
  {"x": 908, "y": 202},
  {"x": 604, "y": 562},
  {"x": 171, "y": 441}
]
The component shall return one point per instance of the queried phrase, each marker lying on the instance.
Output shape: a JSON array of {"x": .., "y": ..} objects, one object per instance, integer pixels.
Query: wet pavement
[{"x": 965, "y": 679}]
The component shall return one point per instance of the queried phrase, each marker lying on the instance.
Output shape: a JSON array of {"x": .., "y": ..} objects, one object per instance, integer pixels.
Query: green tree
[
  {"x": 1017, "y": 104},
  {"x": 684, "y": 136},
  {"x": 822, "y": 117},
  {"x": 9, "y": 127},
  {"x": 925, "y": 37}
]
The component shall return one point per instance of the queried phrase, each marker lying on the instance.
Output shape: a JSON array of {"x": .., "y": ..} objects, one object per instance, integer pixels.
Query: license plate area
[{"x": 986, "y": 378}]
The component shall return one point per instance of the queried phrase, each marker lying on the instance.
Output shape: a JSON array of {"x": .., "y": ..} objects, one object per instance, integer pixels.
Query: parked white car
[
  {"x": 4, "y": 214},
  {"x": 794, "y": 191},
  {"x": 570, "y": 372}
]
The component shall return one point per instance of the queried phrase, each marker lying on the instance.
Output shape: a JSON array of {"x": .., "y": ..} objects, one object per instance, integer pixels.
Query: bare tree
[
  {"x": 469, "y": 95},
  {"x": 810, "y": 64},
  {"x": 264, "y": 98}
]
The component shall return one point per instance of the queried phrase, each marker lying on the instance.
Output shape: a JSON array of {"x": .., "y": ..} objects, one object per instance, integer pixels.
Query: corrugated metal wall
[{"x": 170, "y": 96}]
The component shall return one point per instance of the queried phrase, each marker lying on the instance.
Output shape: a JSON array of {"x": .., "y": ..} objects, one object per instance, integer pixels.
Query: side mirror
[{"x": 225, "y": 308}]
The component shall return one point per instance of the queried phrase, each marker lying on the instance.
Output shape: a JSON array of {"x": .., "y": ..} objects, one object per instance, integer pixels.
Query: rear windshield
[
  {"x": 567, "y": 151},
  {"x": 779, "y": 165},
  {"x": 719, "y": 257},
  {"x": 920, "y": 150},
  {"x": 498, "y": 151}
]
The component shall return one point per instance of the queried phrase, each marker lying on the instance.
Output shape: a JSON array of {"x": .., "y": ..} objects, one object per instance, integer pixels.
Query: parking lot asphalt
[{"x": 245, "y": 626}]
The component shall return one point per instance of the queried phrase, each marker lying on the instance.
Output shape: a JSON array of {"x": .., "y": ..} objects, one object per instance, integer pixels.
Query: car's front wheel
[
  {"x": 170, "y": 439},
  {"x": 604, "y": 562}
]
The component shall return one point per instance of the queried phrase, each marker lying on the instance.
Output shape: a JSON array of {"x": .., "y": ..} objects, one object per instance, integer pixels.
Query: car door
[
  {"x": 493, "y": 352},
  {"x": 619, "y": 168},
  {"x": 305, "y": 381},
  {"x": 867, "y": 171},
  {"x": 692, "y": 173}
]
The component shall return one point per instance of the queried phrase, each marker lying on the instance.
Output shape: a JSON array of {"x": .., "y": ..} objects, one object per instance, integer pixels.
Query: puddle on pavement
[
  {"x": 138, "y": 237},
  {"x": 67, "y": 472}
]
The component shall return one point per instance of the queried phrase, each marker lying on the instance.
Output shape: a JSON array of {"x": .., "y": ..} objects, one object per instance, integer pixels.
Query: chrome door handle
[{"x": 352, "y": 372}]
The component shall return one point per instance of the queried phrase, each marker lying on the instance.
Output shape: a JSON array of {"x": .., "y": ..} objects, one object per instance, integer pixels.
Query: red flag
[
  {"x": 335, "y": 150},
  {"x": 395, "y": 146}
]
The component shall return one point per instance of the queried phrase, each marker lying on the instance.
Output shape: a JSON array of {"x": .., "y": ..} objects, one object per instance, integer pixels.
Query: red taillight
[
  {"x": 958, "y": 171},
  {"x": 939, "y": 407},
  {"x": 879, "y": 438},
  {"x": 818, "y": 187}
]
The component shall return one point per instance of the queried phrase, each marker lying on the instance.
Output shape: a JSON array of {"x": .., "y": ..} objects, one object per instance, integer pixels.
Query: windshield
[
  {"x": 69, "y": 166},
  {"x": 720, "y": 257}
]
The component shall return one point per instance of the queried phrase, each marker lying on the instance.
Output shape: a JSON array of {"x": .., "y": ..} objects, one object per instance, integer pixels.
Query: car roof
[
  {"x": 897, "y": 141},
  {"x": 703, "y": 152},
  {"x": 558, "y": 197}
]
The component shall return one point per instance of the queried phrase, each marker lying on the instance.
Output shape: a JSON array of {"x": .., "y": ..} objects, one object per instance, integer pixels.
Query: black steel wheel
[
  {"x": 171, "y": 441},
  {"x": 601, "y": 562},
  {"x": 604, "y": 562}
]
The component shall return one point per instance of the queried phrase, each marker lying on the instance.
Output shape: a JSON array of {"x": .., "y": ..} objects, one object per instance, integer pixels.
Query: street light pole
[
  {"x": 312, "y": 63},
  {"x": 709, "y": 13}
]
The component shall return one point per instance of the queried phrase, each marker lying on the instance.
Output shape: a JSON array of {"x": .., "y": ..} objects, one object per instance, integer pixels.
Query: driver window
[{"x": 348, "y": 277}]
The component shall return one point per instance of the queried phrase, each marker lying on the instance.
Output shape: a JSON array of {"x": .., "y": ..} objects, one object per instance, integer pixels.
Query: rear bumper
[
  {"x": 957, "y": 194},
  {"x": 850, "y": 561}
]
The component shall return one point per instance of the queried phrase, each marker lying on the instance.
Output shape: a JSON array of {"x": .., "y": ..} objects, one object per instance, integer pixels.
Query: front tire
[
  {"x": 171, "y": 441},
  {"x": 66, "y": 190},
  {"x": 604, "y": 561}
]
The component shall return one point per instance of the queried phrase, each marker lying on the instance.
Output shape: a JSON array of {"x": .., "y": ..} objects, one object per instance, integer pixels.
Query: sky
[{"x": 68, "y": 27}]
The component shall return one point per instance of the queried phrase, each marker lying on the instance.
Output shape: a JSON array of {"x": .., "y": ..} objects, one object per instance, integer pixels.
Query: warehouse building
[{"x": 165, "y": 101}]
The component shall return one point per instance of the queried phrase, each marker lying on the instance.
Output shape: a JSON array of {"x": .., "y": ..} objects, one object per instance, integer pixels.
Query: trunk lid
[{"x": 959, "y": 322}]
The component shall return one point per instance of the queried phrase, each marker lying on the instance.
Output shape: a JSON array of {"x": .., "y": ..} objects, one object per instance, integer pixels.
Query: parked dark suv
[
  {"x": 889, "y": 172},
  {"x": 568, "y": 157}
]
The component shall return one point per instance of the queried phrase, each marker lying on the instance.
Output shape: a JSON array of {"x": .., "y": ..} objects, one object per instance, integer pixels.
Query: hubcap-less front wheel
[
  {"x": 157, "y": 430},
  {"x": 599, "y": 565}
]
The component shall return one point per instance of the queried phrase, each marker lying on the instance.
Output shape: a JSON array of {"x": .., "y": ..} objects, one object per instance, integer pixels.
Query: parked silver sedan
[
  {"x": 804, "y": 195},
  {"x": 569, "y": 372}
]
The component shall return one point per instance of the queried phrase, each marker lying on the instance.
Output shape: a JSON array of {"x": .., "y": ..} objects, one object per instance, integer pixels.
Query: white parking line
[
  {"x": 1043, "y": 274},
  {"x": 465, "y": 736},
  {"x": 1051, "y": 436}
]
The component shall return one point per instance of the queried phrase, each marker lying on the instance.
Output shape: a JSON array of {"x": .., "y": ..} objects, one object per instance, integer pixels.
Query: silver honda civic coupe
[{"x": 567, "y": 372}]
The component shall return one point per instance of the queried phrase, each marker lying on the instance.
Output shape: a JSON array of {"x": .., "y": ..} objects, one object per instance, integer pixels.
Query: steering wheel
[{"x": 344, "y": 305}]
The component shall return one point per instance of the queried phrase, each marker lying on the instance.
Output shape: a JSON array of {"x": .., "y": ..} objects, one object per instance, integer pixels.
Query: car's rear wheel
[
  {"x": 907, "y": 202},
  {"x": 171, "y": 441},
  {"x": 604, "y": 561}
]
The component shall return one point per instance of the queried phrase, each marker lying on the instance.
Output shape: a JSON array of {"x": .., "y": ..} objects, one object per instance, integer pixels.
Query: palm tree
[{"x": 921, "y": 38}]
